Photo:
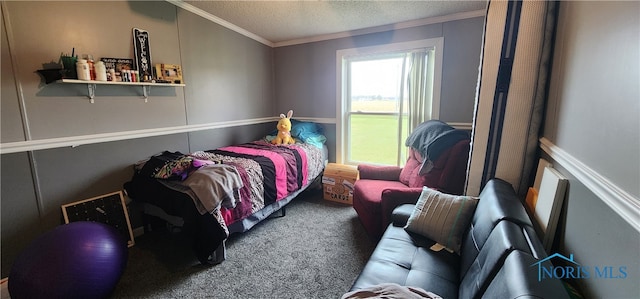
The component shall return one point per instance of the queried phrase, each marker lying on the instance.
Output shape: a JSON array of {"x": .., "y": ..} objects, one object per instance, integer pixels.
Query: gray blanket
[
  {"x": 431, "y": 138},
  {"x": 210, "y": 187},
  {"x": 391, "y": 291}
]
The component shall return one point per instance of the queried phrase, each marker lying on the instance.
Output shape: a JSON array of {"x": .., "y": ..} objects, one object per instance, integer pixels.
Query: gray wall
[
  {"x": 306, "y": 73},
  {"x": 11, "y": 122},
  {"x": 58, "y": 110},
  {"x": 596, "y": 87},
  {"x": 228, "y": 77},
  {"x": 593, "y": 115}
]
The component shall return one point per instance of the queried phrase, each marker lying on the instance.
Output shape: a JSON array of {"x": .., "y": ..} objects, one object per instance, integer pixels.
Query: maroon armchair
[{"x": 381, "y": 188}]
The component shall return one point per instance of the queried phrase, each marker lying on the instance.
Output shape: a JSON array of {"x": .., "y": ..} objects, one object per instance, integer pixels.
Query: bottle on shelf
[
  {"x": 82, "y": 69},
  {"x": 92, "y": 71},
  {"x": 101, "y": 71}
]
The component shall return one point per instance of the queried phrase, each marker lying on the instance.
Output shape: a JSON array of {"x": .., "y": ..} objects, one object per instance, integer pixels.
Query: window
[{"x": 383, "y": 92}]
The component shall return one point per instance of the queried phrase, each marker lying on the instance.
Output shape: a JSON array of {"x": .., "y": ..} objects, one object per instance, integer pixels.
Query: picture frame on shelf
[
  {"x": 169, "y": 73},
  {"x": 118, "y": 64}
]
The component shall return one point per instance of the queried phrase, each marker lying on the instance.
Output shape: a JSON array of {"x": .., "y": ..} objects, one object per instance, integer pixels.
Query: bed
[{"x": 212, "y": 194}]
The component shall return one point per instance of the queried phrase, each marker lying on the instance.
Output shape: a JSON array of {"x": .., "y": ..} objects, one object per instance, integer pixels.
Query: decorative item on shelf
[
  {"x": 90, "y": 62},
  {"x": 111, "y": 75},
  {"x": 101, "y": 71},
  {"x": 124, "y": 74},
  {"x": 82, "y": 69},
  {"x": 142, "y": 51},
  {"x": 108, "y": 71},
  {"x": 169, "y": 73},
  {"x": 117, "y": 64},
  {"x": 65, "y": 68},
  {"x": 51, "y": 71},
  {"x": 69, "y": 64},
  {"x": 51, "y": 75}
]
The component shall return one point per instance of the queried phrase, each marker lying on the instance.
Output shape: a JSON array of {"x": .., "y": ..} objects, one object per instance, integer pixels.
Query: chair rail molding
[
  {"x": 74, "y": 141},
  {"x": 623, "y": 203}
]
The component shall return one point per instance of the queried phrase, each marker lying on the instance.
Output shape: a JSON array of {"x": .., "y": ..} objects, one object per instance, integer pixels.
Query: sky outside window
[{"x": 375, "y": 84}]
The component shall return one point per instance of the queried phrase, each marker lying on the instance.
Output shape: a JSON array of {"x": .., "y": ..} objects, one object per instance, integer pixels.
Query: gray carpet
[{"x": 315, "y": 251}]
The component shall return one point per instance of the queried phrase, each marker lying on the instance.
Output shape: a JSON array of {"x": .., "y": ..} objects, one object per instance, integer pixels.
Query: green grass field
[{"x": 374, "y": 139}]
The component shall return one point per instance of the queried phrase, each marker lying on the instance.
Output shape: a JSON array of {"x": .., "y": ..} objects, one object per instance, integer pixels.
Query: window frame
[{"x": 342, "y": 115}]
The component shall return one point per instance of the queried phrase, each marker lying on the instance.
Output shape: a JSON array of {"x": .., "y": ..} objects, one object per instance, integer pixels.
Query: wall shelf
[{"x": 91, "y": 86}]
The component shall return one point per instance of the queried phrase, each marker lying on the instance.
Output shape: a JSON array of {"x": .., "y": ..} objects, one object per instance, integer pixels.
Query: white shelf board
[
  {"x": 91, "y": 86},
  {"x": 75, "y": 81}
]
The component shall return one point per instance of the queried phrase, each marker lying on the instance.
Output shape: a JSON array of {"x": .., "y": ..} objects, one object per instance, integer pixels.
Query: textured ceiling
[{"x": 280, "y": 21}]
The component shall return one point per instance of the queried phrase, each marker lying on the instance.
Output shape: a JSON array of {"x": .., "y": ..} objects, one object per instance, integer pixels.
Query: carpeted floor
[{"x": 315, "y": 251}]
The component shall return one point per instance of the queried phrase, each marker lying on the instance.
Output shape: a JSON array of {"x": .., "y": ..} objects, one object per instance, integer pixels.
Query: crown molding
[
  {"x": 402, "y": 25},
  {"x": 219, "y": 21},
  {"x": 396, "y": 26}
]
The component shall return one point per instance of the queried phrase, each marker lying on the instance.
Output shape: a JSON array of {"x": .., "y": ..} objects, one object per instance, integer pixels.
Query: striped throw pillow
[{"x": 442, "y": 217}]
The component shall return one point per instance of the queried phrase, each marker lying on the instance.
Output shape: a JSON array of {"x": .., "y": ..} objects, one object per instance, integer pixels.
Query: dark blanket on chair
[{"x": 433, "y": 137}]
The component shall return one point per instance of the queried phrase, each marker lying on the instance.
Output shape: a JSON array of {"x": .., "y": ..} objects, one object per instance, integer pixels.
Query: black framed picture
[
  {"x": 110, "y": 209},
  {"x": 118, "y": 64},
  {"x": 142, "y": 53}
]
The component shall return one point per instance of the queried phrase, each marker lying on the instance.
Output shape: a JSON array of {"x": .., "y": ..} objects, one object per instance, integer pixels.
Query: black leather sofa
[{"x": 497, "y": 259}]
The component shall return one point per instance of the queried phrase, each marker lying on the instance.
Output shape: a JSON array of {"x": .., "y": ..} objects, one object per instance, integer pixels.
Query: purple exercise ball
[{"x": 76, "y": 260}]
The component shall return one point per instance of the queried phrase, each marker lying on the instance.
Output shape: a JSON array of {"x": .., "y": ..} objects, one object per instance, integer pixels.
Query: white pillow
[{"x": 442, "y": 217}]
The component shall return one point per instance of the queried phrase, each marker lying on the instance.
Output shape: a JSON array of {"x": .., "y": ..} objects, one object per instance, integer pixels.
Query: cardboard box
[{"x": 337, "y": 182}]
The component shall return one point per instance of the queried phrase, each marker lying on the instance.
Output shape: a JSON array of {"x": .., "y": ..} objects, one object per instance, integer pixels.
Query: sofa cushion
[
  {"x": 522, "y": 266},
  {"x": 405, "y": 258},
  {"x": 442, "y": 217},
  {"x": 498, "y": 201},
  {"x": 379, "y": 172},
  {"x": 504, "y": 238},
  {"x": 366, "y": 202}
]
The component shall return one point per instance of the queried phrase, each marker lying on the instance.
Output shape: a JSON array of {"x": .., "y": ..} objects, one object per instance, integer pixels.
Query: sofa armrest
[
  {"x": 400, "y": 215},
  {"x": 375, "y": 172},
  {"x": 394, "y": 197}
]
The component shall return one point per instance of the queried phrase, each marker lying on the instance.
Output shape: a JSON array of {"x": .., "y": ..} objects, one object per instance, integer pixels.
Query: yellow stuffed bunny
[{"x": 284, "y": 130}]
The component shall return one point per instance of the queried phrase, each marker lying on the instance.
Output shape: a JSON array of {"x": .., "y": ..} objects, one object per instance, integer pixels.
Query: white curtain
[
  {"x": 511, "y": 92},
  {"x": 420, "y": 87}
]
